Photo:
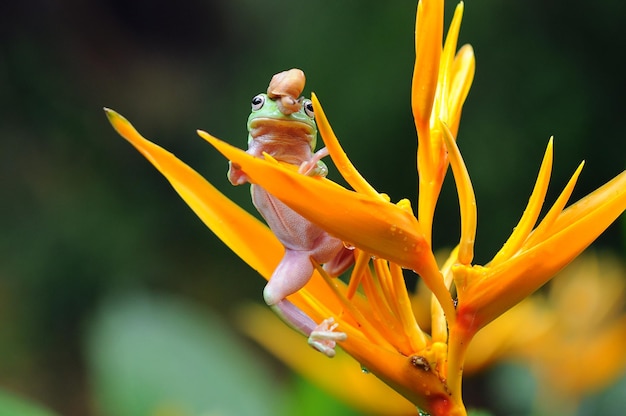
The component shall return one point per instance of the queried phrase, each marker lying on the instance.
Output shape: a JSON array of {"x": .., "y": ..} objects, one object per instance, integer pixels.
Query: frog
[{"x": 282, "y": 125}]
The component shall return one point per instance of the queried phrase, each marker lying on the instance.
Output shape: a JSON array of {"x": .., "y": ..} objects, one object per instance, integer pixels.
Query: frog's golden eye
[
  {"x": 308, "y": 108},
  {"x": 257, "y": 102}
]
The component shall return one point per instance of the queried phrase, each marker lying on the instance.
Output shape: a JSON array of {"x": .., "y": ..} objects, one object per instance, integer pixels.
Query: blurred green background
[{"x": 88, "y": 229}]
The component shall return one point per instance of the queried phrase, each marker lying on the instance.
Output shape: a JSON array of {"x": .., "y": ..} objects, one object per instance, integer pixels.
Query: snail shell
[{"x": 286, "y": 87}]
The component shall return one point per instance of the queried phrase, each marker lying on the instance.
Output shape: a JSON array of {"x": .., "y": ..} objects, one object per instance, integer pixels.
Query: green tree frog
[{"x": 282, "y": 125}]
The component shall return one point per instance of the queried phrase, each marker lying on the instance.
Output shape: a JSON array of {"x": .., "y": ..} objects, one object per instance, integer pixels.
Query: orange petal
[
  {"x": 445, "y": 68},
  {"x": 339, "y": 157},
  {"x": 249, "y": 238},
  {"x": 428, "y": 39},
  {"x": 531, "y": 213},
  {"x": 463, "y": 75},
  {"x": 467, "y": 199}
]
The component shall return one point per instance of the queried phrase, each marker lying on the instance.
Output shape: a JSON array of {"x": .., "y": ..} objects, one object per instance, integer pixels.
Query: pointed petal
[
  {"x": 452, "y": 37},
  {"x": 467, "y": 199},
  {"x": 463, "y": 74},
  {"x": 241, "y": 232},
  {"x": 531, "y": 213},
  {"x": 609, "y": 197},
  {"x": 445, "y": 69},
  {"x": 339, "y": 157}
]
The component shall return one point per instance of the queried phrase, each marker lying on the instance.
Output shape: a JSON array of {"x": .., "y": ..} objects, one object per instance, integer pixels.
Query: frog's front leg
[{"x": 291, "y": 275}]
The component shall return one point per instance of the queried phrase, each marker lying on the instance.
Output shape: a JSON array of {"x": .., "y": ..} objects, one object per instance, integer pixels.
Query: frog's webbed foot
[
  {"x": 323, "y": 338},
  {"x": 235, "y": 175}
]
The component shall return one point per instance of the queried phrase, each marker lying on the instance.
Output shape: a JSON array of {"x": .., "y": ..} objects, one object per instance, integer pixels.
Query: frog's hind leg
[
  {"x": 340, "y": 263},
  {"x": 291, "y": 275}
]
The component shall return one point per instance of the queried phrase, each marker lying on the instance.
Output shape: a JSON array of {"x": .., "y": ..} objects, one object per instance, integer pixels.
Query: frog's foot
[
  {"x": 236, "y": 175},
  {"x": 324, "y": 338},
  {"x": 314, "y": 166}
]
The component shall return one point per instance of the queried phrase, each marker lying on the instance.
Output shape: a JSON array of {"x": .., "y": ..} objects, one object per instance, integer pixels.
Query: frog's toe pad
[
  {"x": 308, "y": 168},
  {"x": 324, "y": 338}
]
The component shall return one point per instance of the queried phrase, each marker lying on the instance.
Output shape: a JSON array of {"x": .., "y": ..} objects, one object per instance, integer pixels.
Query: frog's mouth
[{"x": 272, "y": 126}]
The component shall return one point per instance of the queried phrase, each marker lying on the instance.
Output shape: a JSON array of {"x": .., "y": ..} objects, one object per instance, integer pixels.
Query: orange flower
[
  {"x": 374, "y": 308},
  {"x": 571, "y": 336}
]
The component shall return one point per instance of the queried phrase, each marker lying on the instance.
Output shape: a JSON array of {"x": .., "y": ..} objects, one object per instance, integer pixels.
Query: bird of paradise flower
[{"x": 374, "y": 308}]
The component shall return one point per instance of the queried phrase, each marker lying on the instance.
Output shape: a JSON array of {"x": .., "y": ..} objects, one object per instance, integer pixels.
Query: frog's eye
[
  {"x": 257, "y": 102},
  {"x": 308, "y": 108}
]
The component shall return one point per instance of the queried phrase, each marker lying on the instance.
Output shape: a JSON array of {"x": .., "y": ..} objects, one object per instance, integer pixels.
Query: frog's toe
[
  {"x": 307, "y": 167},
  {"x": 325, "y": 347},
  {"x": 324, "y": 338}
]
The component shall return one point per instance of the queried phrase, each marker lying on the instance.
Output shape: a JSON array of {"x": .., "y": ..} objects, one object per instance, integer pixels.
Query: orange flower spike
[{"x": 487, "y": 292}]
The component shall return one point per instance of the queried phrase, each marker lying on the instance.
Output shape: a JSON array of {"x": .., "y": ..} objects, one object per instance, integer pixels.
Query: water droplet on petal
[{"x": 364, "y": 370}]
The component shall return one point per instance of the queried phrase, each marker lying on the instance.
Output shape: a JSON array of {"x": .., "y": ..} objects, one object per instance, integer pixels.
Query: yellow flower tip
[
  {"x": 124, "y": 128},
  {"x": 385, "y": 197},
  {"x": 119, "y": 123},
  {"x": 128, "y": 132},
  {"x": 405, "y": 204}
]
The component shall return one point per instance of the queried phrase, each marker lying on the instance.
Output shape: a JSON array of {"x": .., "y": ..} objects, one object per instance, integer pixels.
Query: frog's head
[{"x": 266, "y": 118}]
